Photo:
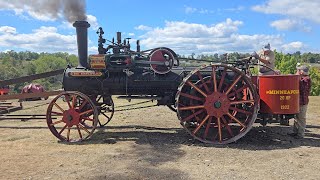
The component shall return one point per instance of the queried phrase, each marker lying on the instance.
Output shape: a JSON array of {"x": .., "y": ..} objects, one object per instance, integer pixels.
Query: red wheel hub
[
  {"x": 71, "y": 117},
  {"x": 217, "y": 104}
]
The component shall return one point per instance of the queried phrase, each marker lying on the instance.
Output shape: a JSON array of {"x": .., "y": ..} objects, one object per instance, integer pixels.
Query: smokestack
[{"x": 82, "y": 41}]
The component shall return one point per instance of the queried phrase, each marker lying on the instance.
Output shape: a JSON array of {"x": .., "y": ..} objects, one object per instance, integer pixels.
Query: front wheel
[{"x": 67, "y": 115}]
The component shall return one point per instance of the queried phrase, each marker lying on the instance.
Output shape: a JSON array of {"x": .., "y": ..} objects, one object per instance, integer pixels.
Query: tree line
[{"x": 16, "y": 64}]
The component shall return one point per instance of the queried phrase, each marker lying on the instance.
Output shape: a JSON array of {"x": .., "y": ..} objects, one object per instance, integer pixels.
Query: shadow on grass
[
  {"x": 258, "y": 138},
  {"x": 151, "y": 146},
  {"x": 313, "y": 126}
]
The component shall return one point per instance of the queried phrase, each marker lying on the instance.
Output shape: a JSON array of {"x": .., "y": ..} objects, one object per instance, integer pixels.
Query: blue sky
[{"x": 186, "y": 26}]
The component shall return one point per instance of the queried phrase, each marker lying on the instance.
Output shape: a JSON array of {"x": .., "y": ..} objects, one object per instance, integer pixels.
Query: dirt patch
[{"x": 150, "y": 144}]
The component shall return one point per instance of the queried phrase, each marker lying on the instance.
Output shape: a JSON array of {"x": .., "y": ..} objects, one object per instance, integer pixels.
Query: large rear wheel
[{"x": 217, "y": 104}]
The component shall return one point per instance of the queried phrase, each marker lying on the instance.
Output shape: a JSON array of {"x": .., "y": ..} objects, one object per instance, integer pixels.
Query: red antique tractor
[{"x": 216, "y": 103}]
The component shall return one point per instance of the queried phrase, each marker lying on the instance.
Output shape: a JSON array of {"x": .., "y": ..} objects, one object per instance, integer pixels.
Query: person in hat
[
  {"x": 267, "y": 58},
  {"x": 304, "y": 92}
]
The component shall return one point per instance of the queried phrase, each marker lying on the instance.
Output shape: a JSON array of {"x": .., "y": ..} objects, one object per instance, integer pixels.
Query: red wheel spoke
[
  {"x": 83, "y": 103},
  {"x": 62, "y": 129},
  {"x": 200, "y": 125},
  {"x": 219, "y": 129},
  {"x": 191, "y": 97},
  {"x": 222, "y": 79},
  {"x": 56, "y": 113},
  {"x": 80, "y": 135},
  {"x": 238, "y": 90},
  {"x": 82, "y": 127},
  {"x": 242, "y": 102},
  {"x": 233, "y": 84},
  {"x": 57, "y": 122},
  {"x": 190, "y": 108},
  {"x": 207, "y": 128},
  {"x": 241, "y": 110},
  {"x": 88, "y": 111},
  {"x": 66, "y": 96},
  {"x": 214, "y": 79},
  {"x": 72, "y": 124},
  {"x": 192, "y": 115},
  {"x": 236, "y": 120},
  {"x": 202, "y": 81},
  {"x": 58, "y": 107},
  {"x": 74, "y": 98},
  {"x": 225, "y": 123},
  {"x": 219, "y": 101},
  {"x": 196, "y": 88}
]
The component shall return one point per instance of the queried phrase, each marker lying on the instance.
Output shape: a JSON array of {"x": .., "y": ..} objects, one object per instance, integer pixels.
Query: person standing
[
  {"x": 304, "y": 92},
  {"x": 267, "y": 58}
]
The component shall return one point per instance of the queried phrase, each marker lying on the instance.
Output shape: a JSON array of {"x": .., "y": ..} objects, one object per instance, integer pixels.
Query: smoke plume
[
  {"x": 71, "y": 10},
  {"x": 74, "y": 10}
]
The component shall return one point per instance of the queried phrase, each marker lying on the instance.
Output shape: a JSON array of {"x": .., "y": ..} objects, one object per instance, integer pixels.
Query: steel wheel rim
[
  {"x": 105, "y": 111},
  {"x": 69, "y": 125},
  {"x": 216, "y": 110}
]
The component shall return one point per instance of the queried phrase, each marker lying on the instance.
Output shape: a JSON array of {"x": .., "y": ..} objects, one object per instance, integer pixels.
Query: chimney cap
[{"x": 81, "y": 24}]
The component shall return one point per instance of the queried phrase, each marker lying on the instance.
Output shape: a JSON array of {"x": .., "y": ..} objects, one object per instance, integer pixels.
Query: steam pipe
[
  {"x": 138, "y": 46},
  {"x": 118, "y": 37},
  {"x": 82, "y": 41}
]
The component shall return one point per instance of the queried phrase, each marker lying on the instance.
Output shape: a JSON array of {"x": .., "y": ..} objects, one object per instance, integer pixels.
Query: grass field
[{"x": 151, "y": 144}]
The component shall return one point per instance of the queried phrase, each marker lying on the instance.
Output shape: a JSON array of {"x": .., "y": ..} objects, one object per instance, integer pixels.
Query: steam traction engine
[{"x": 217, "y": 103}]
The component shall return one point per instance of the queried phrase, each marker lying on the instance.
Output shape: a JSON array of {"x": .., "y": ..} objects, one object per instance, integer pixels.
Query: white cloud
[
  {"x": 66, "y": 25},
  {"x": 45, "y": 29},
  {"x": 187, "y": 38},
  {"x": 29, "y": 7},
  {"x": 93, "y": 50},
  {"x": 143, "y": 28},
  {"x": 42, "y": 17},
  {"x": 131, "y": 34},
  {"x": 8, "y": 30},
  {"x": 175, "y": 29},
  {"x": 293, "y": 47},
  {"x": 190, "y": 10},
  {"x": 44, "y": 39},
  {"x": 92, "y": 20},
  {"x": 290, "y": 24},
  {"x": 293, "y": 9}
]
